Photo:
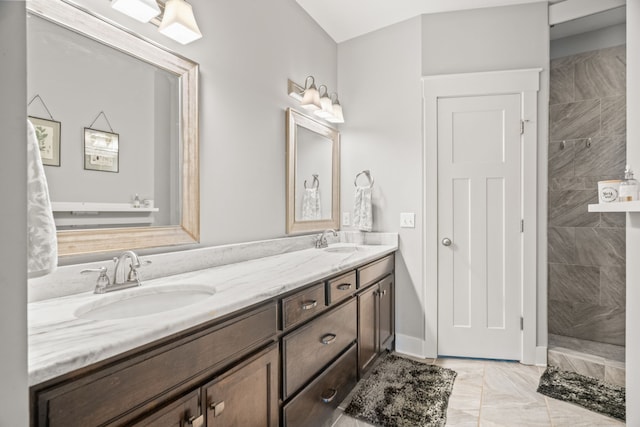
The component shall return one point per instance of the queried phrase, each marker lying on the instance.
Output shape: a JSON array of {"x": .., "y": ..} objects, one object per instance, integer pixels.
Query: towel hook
[
  {"x": 316, "y": 182},
  {"x": 367, "y": 173}
]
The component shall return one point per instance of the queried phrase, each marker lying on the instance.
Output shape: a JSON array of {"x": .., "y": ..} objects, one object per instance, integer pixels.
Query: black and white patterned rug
[
  {"x": 402, "y": 392},
  {"x": 590, "y": 393}
]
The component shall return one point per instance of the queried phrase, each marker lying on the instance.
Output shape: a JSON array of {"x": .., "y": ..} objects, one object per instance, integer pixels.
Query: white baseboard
[
  {"x": 541, "y": 356},
  {"x": 410, "y": 346}
]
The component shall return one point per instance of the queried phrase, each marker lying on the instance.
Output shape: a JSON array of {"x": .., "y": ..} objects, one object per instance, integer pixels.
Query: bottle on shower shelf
[{"x": 628, "y": 187}]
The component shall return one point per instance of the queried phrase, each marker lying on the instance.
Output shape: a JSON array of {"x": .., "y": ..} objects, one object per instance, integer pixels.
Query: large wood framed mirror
[
  {"x": 313, "y": 174},
  {"x": 170, "y": 104}
]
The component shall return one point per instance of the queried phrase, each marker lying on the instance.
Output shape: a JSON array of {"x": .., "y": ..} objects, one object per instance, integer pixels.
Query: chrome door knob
[{"x": 446, "y": 242}]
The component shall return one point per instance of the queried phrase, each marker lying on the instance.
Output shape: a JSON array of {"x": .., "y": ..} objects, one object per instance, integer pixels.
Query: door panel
[{"x": 479, "y": 210}]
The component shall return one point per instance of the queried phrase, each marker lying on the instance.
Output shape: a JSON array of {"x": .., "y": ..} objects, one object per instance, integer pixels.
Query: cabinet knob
[
  {"x": 344, "y": 286},
  {"x": 446, "y": 241},
  {"x": 217, "y": 408},
  {"x": 309, "y": 305},
  {"x": 195, "y": 421},
  {"x": 328, "y": 339},
  {"x": 329, "y": 395}
]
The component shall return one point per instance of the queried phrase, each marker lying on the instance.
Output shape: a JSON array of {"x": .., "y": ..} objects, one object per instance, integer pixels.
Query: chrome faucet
[
  {"x": 321, "y": 240},
  {"x": 120, "y": 279},
  {"x": 118, "y": 271}
]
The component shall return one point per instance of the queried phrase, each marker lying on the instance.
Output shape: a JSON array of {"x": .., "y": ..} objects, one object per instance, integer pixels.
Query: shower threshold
[{"x": 594, "y": 359}]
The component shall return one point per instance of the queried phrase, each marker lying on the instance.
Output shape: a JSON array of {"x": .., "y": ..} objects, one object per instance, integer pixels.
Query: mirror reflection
[
  {"x": 77, "y": 78},
  {"x": 130, "y": 93},
  {"x": 313, "y": 174}
]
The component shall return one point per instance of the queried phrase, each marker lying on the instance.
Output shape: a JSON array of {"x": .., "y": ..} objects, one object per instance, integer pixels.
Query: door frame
[{"x": 525, "y": 82}]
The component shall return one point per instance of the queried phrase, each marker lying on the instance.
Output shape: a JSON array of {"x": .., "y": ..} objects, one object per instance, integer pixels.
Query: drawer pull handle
[
  {"x": 328, "y": 339},
  {"x": 344, "y": 286},
  {"x": 309, "y": 305},
  {"x": 217, "y": 408},
  {"x": 195, "y": 421},
  {"x": 329, "y": 395}
]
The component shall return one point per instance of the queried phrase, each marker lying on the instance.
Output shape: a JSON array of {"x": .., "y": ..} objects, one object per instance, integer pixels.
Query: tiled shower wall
[{"x": 587, "y": 144}]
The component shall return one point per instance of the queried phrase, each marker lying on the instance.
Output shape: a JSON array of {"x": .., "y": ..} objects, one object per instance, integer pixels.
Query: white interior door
[{"x": 479, "y": 226}]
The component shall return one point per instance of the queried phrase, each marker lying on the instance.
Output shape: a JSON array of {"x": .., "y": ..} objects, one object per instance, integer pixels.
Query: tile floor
[{"x": 490, "y": 393}]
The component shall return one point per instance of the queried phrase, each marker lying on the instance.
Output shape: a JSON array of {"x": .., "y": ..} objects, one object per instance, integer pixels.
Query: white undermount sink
[{"x": 143, "y": 301}]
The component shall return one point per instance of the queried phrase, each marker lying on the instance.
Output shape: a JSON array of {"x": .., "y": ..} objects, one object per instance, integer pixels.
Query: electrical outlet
[
  {"x": 346, "y": 218},
  {"x": 408, "y": 220}
]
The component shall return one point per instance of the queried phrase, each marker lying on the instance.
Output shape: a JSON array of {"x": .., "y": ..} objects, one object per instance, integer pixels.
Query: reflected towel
[
  {"x": 362, "y": 211},
  {"x": 42, "y": 256},
  {"x": 311, "y": 209}
]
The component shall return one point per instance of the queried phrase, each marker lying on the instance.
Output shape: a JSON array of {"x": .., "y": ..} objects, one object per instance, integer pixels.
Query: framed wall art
[
  {"x": 100, "y": 150},
  {"x": 48, "y": 135}
]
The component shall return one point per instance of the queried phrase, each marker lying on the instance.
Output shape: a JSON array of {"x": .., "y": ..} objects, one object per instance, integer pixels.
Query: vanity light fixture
[
  {"x": 323, "y": 104},
  {"x": 310, "y": 96},
  {"x": 140, "y": 10},
  {"x": 179, "y": 23},
  {"x": 174, "y": 18},
  {"x": 337, "y": 116},
  {"x": 326, "y": 105}
]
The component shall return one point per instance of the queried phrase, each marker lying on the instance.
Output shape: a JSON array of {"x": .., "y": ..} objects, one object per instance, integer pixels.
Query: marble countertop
[{"x": 60, "y": 342}]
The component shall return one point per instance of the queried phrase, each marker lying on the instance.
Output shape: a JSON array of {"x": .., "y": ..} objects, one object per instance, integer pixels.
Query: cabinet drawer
[
  {"x": 375, "y": 271},
  {"x": 141, "y": 379},
  {"x": 312, "y": 347},
  {"x": 316, "y": 404},
  {"x": 341, "y": 287},
  {"x": 183, "y": 412},
  {"x": 302, "y": 305}
]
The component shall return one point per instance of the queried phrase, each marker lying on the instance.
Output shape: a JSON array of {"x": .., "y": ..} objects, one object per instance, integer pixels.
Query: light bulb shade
[
  {"x": 140, "y": 10},
  {"x": 179, "y": 23},
  {"x": 337, "y": 116},
  {"x": 326, "y": 107},
  {"x": 311, "y": 98}
]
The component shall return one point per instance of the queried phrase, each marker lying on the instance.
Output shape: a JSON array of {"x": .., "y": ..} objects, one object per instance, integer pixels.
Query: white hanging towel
[
  {"x": 311, "y": 209},
  {"x": 42, "y": 251},
  {"x": 362, "y": 211}
]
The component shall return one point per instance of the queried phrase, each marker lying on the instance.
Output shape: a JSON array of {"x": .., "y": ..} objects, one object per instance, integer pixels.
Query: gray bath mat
[
  {"x": 590, "y": 393},
  {"x": 401, "y": 392}
]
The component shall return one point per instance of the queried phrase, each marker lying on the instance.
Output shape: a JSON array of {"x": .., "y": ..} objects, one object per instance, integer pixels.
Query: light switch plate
[
  {"x": 408, "y": 220},
  {"x": 346, "y": 218}
]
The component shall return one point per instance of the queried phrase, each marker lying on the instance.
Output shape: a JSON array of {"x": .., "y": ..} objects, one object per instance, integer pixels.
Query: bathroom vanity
[{"x": 267, "y": 348}]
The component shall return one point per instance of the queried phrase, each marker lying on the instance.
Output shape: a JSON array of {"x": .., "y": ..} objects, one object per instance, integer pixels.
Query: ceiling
[{"x": 346, "y": 19}]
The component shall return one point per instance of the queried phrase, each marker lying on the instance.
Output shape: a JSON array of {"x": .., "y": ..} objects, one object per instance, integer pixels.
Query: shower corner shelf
[{"x": 615, "y": 207}]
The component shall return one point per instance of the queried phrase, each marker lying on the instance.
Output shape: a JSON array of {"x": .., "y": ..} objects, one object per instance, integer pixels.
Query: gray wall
[
  {"x": 13, "y": 190},
  {"x": 501, "y": 38},
  {"x": 592, "y": 40},
  {"x": 379, "y": 76},
  {"x": 586, "y": 250},
  {"x": 633, "y": 220},
  {"x": 380, "y": 90}
]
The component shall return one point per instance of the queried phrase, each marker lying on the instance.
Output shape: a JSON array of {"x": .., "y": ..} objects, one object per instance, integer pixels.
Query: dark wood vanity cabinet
[
  {"x": 184, "y": 412},
  {"x": 151, "y": 382},
  {"x": 288, "y": 362},
  {"x": 376, "y": 328},
  {"x": 246, "y": 395}
]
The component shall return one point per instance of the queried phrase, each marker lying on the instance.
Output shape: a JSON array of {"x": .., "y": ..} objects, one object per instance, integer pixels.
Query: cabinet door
[
  {"x": 385, "y": 314},
  {"x": 367, "y": 333},
  {"x": 246, "y": 395},
  {"x": 184, "y": 412}
]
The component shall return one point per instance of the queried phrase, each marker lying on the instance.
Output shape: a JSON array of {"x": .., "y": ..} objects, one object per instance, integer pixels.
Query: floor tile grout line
[
  {"x": 484, "y": 374},
  {"x": 546, "y": 402}
]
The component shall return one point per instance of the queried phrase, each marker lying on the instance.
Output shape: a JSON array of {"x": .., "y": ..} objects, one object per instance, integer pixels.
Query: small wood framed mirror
[{"x": 313, "y": 174}]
